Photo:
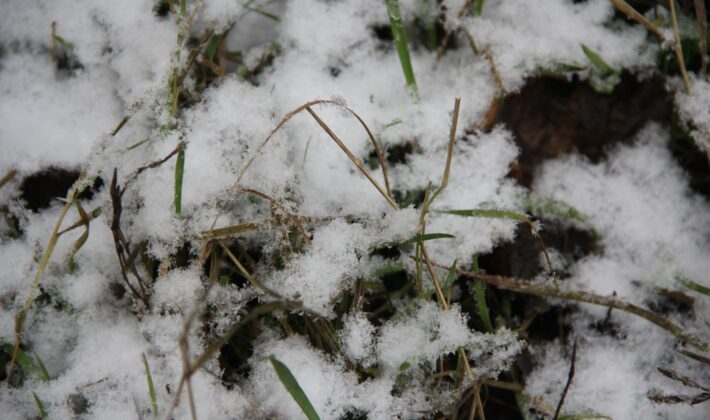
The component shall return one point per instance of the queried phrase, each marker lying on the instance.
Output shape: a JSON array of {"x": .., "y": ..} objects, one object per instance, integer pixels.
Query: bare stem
[
  {"x": 521, "y": 286},
  {"x": 677, "y": 47}
]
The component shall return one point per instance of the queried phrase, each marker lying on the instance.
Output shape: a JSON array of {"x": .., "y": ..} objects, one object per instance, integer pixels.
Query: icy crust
[
  {"x": 653, "y": 228},
  {"x": 693, "y": 110},
  {"x": 526, "y": 37}
]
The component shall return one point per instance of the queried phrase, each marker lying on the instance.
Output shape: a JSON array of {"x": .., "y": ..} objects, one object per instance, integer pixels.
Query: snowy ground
[{"x": 66, "y": 86}]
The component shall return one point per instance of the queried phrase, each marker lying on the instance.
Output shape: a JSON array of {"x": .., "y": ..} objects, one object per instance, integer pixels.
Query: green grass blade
[
  {"x": 63, "y": 42},
  {"x": 41, "y": 368},
  {"x": 40, "y": 406},
  {"x": 598, "y": 61},
  {"x": 692, "y": 285},
  {"x": 546, "y": 206},
  {"x": 483, "y": 311},
  {"x": 179, "y": 171},
  {"x": 479, "y": 7},
  {"x": 23, "y": 360},
  {"x": 414, "y": 239},
  {"x": 488, "y": 213},
  {"x": 151, "y": 388},
  {"x": 400, "y": 42},
  {"x": 293, "y": 388},
  {"x": 426, "y": 237},
  {"x": 257, "y": 10},
  {"x": 450, "y": 278},
  {"x": 387, "y": 269}
]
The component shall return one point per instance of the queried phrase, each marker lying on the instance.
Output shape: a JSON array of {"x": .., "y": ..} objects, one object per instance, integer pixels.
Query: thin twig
[
  {"x": 421, "y": 229},
  {"x": 254, "y": 282},
  {"x": 123, "y": 248},
  {"x": 522, "y": 286},
  {"x": 685, "y": 380},
  {"x": 7, "y": 177},
  {"x": 22, "y": 315},
  {"x": 255, "y": 313},
  {"x": 120, "y": 125},
  {"x": 508, "y": 386},
  {"x": 677, "y": 47},
  {"x": 479, "y": 403},
  {"x": 632, "y": 14},
  {"x": 450, "y": 150},
  {"x": 698, "y": 357},
  {"x": 206, "y": 252},
  {"x": 293, "y": 218},
  {"x": 449, "y": 34},
  {"x": 355, "y": 160},
  {"x": 288, "y": 116},
  {"x": 434, "y": 278},
  {"x": 570, "y": 376},
  {"x": 701, "y": 18},
  {"x": 151, "y": 165}
]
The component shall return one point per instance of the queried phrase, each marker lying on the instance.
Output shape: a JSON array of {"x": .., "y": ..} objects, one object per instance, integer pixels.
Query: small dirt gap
[
  {"x": 551, "y": 117},
  {"x": 40, "y": 189}
]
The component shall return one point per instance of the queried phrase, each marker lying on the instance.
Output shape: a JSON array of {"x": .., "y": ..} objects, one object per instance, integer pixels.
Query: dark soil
[{"x": 551, "y": 117}]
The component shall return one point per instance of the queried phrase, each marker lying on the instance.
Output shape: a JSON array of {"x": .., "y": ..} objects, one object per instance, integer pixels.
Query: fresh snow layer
[
  {"x": 92, "y": 339},
  {"x": 653, "y": 228}
]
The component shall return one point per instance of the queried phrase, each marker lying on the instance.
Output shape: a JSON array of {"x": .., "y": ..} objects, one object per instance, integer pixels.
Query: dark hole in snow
[
  {"x": 378, "y": 308},
  {"x": 161, "y": 8},
  {"x": 383, "y": 32},
  {"x": 395, "y": 281},
  {"x": 234, "y": 356},
  {"x": 78, "y": 404},
  {"x": 692, "y": 160},
  {"x": 522, "y": 257},
  {"x": 67, "y": 63},
  {"x": 405, "y": 199},
  {"x": 387, "y": 252},
  {"x": 670, "y": 301},
  {"x": 354, "y": 414},
  {"x": 40, "y": 189},
  {"x": 184, "y": 256},
  {"x": 498, "y": 404},
  {"x": 551, "y": 117},
  {"x": 397, "y": 154},
  {"x": 118, "y": 291},
  {"x": 549, "y": 325}
]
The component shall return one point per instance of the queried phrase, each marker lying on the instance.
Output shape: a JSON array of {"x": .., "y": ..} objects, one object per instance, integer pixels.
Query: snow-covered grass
[{"x": 270, "y": 218}]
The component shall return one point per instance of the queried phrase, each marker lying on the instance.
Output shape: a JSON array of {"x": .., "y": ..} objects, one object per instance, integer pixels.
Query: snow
[
  {"x": 432, "y": 331},
  {"x": 693, "y": 110},
  {"x": 652, "y": 228},
  {"x": 549, "y": 41}
]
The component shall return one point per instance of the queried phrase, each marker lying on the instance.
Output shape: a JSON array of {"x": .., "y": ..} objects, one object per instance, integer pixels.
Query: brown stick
[
  {"x": 355, "y": 160},
  {"x": 7, "y": 177},
  {"x": 522, "y": 286},
  {"x": 307, "y": 105},
  {"x": 701, "y": 17},
  {"x": 570, "y": 375},
  {"x": 632, "y": 14}
]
